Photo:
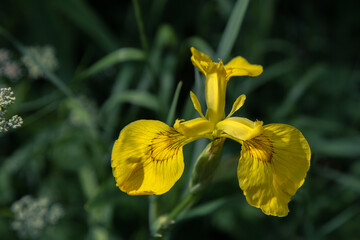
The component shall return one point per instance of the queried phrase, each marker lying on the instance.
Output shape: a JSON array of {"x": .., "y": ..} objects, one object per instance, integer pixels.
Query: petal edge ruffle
[{"x": 272, "y": 167}]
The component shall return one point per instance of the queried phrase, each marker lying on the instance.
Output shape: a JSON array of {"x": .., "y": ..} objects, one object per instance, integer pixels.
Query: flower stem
[
  {"x": 163, "y": 223},
  {"x": 187, "y": 202},
  {"x": 204, "y": 169},
  {"x": 153, "y": 210}
]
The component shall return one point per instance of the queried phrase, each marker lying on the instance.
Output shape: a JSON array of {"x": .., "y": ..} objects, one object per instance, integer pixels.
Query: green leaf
[
  {"x": 204, "y": 209},
  {"x": 28, "y": 151},
  {"x": 167, "y": 81},
  {"x": 120, "y": 55},
  {"x": 80, "y": 113},
  {"x": 122, "y": 82},
  {"x": 88, "y": 180},
  {"x": 107, "y": 193},
  {"x": 98, "y": 233},
  {"x": 347, "y": 180},
  {"x": 232, "y": 29},
  {"x": 338, "y": 221},
  {"x": 165, "y": 36},
  {"x": 320, "y": 125},
  {"x": 298, "y": 90},
  {"x": 340, "y": 147},
  {"x": 143, "y": 99},
  {"x": 171, "y": 115},
  {"x": 272, "y": 72}
]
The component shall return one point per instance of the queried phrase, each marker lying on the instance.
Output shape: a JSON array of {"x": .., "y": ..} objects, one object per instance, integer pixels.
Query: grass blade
[
  {"x": 298, "y": 90},
  {"x": 171, "y": 115},
  {"x": 140, "y": 98},
  {"x": 232, "y": 29},
  {"x": 120, "y": 55},
  {"x": 338, "y": 221}
]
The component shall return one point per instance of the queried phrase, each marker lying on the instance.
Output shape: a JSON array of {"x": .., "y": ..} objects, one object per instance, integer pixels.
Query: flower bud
[{"x": 206, "y": 165}]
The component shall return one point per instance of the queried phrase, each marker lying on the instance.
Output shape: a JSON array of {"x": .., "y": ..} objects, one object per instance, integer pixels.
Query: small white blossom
[
  {"x": 32, "y": 216},
  {"x": 4, "y": 55},
  {"x": 11, "y": 70},
  {"x": 6, "y": 98},
  {"x": 45, "y": 56}
]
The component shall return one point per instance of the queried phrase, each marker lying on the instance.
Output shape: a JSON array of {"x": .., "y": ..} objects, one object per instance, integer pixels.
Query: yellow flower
[{"x": 148, "y": 159}]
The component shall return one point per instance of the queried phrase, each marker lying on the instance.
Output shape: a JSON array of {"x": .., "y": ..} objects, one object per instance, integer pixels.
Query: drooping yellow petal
[
  {"x": 147, "y": 158},
  {"x": 194, "y": 128},
  {"x": 196, "y": 104},
  {"x": 239, "y": 102},
  {"x": 200, "y": 60},
  {"x": 239, "y": 129},
  {"x": 272, "y": 167},
  {"x": 239, "y": 66},
  {"x": 215, "y": 91}
]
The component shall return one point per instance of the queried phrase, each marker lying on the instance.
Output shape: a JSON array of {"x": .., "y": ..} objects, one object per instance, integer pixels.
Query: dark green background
[{"x": 311, "y": 79}]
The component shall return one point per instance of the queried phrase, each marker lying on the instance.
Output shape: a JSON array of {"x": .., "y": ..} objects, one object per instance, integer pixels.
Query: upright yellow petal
[
  {"x": 272, "y": 167},
  {"x": 215, "y": 91},
  {"x": 200, "y": 60},
  {"x": 239, "y": 66},
  {"x": 147, "y": 158}
]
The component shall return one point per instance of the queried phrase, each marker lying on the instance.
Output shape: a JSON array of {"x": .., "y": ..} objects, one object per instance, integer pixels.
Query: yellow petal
[
  {"x": 239, "y": 66},
  {"x": 200, "y": 60},
  {"x": 239, "y": 102},
  {"x": 272, "y": 167},
  {"x": 147, "y": 158},
  {"x": 196, "y": 104},
  {"x": 194, "y": 128},
  {"x": 239, "y": 129},
  {"x": 215, "y": 91}
]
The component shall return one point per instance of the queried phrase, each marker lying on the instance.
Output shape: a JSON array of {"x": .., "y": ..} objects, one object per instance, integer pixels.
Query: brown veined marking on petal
[
  {"x": 168, "y": 141},
  {"x": 260, "y": 148}
]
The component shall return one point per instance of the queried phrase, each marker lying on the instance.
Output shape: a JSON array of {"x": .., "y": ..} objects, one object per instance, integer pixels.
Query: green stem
[
  {"x": 187, "y": 202},
  {"x": 153, "y": 210},
  {"x": 163, "y": 223},
  {"x": 204, "y": 169}
]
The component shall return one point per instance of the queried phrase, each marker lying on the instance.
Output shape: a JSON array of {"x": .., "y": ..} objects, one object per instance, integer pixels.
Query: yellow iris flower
[{"x": 147, "y": 158}]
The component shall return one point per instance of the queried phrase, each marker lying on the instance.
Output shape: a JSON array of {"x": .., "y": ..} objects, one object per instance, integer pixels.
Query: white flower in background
[
  {"x": 6, "y": 98},
  {"x": 45, "y": 56},
  {"x": 32, "y": 216},
  {"x": 4, "y": 55},
  {"x": 9, "y": 68}
]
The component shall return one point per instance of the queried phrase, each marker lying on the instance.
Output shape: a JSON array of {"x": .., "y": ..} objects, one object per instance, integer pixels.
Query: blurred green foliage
[{"x": 105, "y": 79}]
